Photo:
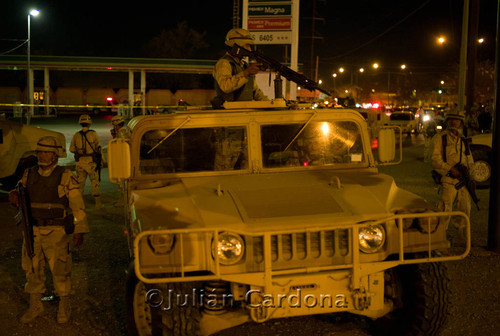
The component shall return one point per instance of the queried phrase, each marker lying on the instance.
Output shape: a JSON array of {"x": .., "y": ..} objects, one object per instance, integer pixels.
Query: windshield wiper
[
  {"x": 169, "y": 134},
  {"x": 300, "y": 131}
]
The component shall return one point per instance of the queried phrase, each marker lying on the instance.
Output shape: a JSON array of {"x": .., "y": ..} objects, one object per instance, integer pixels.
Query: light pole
[{"x": 30, "y": 113}]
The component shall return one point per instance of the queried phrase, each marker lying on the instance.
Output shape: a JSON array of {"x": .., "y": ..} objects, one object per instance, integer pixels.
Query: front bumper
[{"x": 193, "y": 259}]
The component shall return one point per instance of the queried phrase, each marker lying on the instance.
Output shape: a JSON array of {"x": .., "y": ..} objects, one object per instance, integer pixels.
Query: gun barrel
[{"x": 276, "y": 66}]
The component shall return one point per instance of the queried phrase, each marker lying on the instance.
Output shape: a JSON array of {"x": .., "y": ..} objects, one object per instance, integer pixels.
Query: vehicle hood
[{"x": 266, "y": 201}]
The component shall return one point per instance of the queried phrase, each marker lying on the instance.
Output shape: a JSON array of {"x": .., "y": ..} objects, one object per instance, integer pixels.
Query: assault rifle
[
  {"x": 24, "y": 218},
  {"x": 280, "y": 69},
  {"x": 465, "y": 181}
]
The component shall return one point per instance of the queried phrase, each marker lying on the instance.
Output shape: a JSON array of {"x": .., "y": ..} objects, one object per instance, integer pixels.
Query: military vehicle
[
  {"x": 263, "y": 210},
  {"x": 17, "y": 149},
  {"x": 482, "y": 152}
]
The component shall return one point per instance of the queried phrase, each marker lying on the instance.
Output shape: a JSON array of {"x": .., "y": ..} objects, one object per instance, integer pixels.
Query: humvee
[
  {"x": 257, "y": 212},
  {"x": 482, "y": 152},
  {"x": 17, "y": 149}
]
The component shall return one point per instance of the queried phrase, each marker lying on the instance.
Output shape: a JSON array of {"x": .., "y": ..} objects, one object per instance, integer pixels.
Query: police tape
[{"x": 94, "y": 106}]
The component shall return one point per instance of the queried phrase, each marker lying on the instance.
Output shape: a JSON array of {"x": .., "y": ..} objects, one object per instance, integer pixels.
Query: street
[{"x": 99, "y": 265}]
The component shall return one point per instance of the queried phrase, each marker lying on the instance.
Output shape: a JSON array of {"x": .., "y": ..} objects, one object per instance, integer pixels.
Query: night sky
[{"x": 347, "y": 32}]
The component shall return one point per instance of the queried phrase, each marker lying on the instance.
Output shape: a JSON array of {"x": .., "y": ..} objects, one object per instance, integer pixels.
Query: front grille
[{"x": 318, "y": 248}]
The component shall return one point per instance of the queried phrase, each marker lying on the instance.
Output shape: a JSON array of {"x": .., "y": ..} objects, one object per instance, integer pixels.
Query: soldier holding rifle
[
  {"x": 234, "y": 75},
  {"x": 450, "y": 156},
  {"x": 51, "y": 208}
]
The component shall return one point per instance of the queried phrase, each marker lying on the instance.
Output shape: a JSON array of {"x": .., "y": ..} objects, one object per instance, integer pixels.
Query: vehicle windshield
[
  {"x": 193, "y": 150},
  {"x": 319, "y": 144},
  {"x": 402, "y": 116}
]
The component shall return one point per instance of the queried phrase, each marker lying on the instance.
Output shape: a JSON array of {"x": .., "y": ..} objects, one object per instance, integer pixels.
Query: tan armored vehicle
[
  {"x": 252, "y": 214},
  {"x": 481, "y": 148},
  {"x": 17, "y": 149}
]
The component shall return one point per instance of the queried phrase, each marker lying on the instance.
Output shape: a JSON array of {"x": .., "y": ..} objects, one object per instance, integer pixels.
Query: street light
[
  {"x": 33, "y": 12},
  {"x": 441, "y": 39},
  {"x": 375, "y": 65}
]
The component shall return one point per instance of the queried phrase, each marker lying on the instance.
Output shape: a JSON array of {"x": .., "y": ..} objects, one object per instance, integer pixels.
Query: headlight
[
  {"x": 371, "y": 238},
  {"x": 427, "y": 117},
  {"x": 161, "y": 243},
  {"x": 230, "y": 248}
]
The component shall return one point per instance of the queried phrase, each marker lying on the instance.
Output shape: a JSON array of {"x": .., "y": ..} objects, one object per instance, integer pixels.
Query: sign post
[{"x": 274, "y": 22}]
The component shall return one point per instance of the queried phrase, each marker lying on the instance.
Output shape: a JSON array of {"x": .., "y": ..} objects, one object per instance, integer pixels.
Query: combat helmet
[
  {"x": 460, "y": 115},
  {"x": 239, "y": 36},
  {"x": 85, "y": 119},
  {"x": 50, "y": 144},
  {"x": 117, "y": 120}
]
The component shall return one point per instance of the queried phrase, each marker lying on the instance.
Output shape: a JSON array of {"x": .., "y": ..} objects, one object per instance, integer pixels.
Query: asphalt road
[{"x": 99, "y": 266}]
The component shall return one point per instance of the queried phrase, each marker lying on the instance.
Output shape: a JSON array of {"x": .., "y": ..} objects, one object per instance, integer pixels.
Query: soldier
[
  {"x": 234, "y": 76},
  {"x": 430, "y": 130},
  {"x": 53, "y": 194},
  {"x": 88, "y": 156},
  {"x": 450, "y": 149},
  {"x": 119, "y": 129}
]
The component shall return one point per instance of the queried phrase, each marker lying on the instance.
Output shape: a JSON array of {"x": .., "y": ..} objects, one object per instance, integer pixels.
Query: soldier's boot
[
  {"x": 35, "y": 309},
  {"x": 98, "y": 203},
  {"x": 64, "y": 310}
]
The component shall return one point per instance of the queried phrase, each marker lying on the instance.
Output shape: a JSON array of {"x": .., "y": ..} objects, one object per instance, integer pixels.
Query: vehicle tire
[
  {"x": 183, "y": 318},
  {"x": 420, "y": 293},
  {"x": 138, "y": 311},
  {"x": 482, "y": 168},
  {"x": 166, "y": 318}
]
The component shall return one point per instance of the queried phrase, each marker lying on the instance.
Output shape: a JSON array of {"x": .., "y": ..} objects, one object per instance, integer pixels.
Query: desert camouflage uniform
[
  {"x": 455, "y": 153},
  {"x": 86, "y": 165},
  {"x": 51, "y": 243}
]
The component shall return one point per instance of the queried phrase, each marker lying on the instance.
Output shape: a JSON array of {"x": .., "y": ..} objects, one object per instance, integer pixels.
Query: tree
[{"x": 181, "y": 42}]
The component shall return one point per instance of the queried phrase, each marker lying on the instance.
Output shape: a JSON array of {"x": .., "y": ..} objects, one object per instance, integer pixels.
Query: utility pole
[
  {"x": 313, "y": 38},
  {"x": 494, "y": 206},
  {"x": 471, "y": 55},
  {"x": 236, "y": 14}
]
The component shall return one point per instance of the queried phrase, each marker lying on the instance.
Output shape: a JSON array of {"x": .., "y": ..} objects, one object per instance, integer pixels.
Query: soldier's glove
[
  {"x": 14, "y": 198},
  {"x": 77, "y": 239}
]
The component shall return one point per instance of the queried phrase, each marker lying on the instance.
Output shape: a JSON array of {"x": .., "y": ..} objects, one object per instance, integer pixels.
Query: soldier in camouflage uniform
[
  {"x": 234, "y": 76},
  {"x": 119, "y": 130},
  {"x": 86, "y": 146},
  {"x": 54, "y": 193},
  {"x": 451, "y": 149}
]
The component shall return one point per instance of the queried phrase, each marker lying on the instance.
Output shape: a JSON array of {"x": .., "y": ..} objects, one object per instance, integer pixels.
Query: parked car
[{"x": 407, "y": 122}]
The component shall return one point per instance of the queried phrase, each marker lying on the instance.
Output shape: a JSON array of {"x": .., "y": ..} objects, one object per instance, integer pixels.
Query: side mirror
[
  {"x": 118, "y": 160},
  {"x": 387, "y": 145}
]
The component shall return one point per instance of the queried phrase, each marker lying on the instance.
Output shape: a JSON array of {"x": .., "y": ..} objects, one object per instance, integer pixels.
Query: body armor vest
[
  {"x": 44, "y": 196},
  {"x": 244, "y": 93}
]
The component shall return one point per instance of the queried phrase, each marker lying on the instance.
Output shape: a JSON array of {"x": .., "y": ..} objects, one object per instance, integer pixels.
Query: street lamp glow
[
  {"x": 29, "y": 77},
  {"x": 341, "y": 69},
  {"x": 361, "y": 70},
  {"x": 375, "y": 65},
  {"x": 403, "y": 66},
  {"x": 442, "y": 82},
  {"x": 320, "y": 82},
  {"x": 480, "y": 40},
  {"x": 334, "y": 75},
  {"x": 441, "y": 39}
]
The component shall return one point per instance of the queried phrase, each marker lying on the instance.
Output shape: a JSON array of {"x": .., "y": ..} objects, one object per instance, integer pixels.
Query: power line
[{"x": 380, "y": 35}]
